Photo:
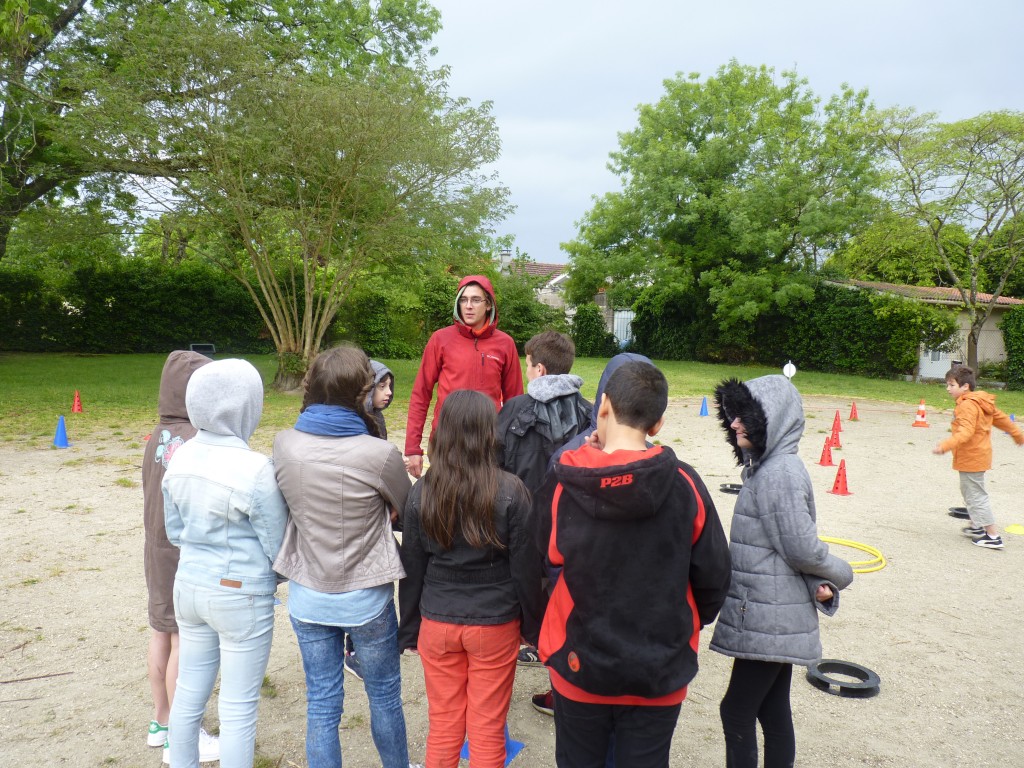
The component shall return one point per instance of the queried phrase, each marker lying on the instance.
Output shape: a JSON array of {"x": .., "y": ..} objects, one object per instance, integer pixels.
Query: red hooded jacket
[{"x": 457, "y": 357}]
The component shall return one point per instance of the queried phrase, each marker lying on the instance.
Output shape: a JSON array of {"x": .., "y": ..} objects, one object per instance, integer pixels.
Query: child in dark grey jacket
[{"x": 782, "y": 573}]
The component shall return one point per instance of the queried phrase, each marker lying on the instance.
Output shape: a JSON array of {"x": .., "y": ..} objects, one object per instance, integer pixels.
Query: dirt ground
[{"x": 941, "y": 624}]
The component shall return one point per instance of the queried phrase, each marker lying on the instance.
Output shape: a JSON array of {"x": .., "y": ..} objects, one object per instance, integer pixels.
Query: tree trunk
[
  {"x": 972, "y": 348},
  {"x": 6, "y": 223},
  {"x": 291, "y": 370}
]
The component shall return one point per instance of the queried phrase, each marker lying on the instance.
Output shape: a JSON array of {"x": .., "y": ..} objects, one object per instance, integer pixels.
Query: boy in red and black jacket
[{"x": 645, "y": 564}]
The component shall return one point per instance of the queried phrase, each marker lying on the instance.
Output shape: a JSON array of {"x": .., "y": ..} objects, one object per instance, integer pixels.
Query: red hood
[{"x": 492, "y": 323}]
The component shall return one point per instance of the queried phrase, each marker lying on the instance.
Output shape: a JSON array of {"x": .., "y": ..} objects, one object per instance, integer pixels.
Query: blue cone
[
  {"x": 512, "y": 748},
  {"x": 60, "y": 438},
  {"x": 703, "y": 407}
]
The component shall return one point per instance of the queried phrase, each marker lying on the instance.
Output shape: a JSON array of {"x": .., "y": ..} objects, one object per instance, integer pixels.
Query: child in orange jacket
[{"x": 971, "y": 444}]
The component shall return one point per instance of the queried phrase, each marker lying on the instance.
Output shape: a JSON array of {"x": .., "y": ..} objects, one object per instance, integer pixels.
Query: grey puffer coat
[{"x": 778, "y": 561}]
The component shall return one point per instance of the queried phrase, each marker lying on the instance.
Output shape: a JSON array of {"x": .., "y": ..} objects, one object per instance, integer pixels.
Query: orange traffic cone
[
  {"x": 76, "y": 407},
  {"x": 853, "y": 411},
  {"x": 826, "y": 454},
  {"x": 839, "y": 487},
  {"x": 837, "y": 425},
  {"x": 921, "y": 420},
  {"x": 834, "y": 440}
]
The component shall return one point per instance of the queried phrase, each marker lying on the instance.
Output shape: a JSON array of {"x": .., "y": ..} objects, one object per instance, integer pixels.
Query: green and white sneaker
[{"x": 157, "y": 735}]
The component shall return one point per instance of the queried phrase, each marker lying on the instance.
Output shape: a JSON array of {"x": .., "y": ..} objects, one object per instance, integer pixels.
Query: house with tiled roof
[
  {"x": 551, "y": 290},
  {"x": 934, "y": 363}
]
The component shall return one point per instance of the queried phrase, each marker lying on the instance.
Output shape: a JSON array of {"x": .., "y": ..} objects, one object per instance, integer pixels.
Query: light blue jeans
[
  {"x": 232, "y": 633},
  {"x": 323, "y": 657}
]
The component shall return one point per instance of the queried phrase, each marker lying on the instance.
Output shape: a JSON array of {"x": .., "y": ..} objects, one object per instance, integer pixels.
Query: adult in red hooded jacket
[{"x": 471, "y": 353}]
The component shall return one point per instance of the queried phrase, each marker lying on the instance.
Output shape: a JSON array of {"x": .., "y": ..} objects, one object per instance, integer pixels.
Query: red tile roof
[
  {"x": 931, "y": 294},
  {"x": 536, "y": 269}
]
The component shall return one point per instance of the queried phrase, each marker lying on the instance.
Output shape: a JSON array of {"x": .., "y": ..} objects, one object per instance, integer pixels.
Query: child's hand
[
  {"x": 594, "y": 441},
  {"x": 937, "y": 450},
  {"x": 823, "y": 594}
]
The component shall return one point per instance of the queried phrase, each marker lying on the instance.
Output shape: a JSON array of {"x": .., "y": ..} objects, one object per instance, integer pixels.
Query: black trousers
[
  {"x": 758, "y": 693},
  {"x": 640, "y": 737}
]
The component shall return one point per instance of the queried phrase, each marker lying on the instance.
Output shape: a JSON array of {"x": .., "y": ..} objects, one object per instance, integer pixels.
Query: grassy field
[{"x": 119, "y": 392}]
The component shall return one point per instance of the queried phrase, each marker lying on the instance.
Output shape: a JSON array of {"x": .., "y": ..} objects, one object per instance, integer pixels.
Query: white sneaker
[{"x": 209, "y": 748}]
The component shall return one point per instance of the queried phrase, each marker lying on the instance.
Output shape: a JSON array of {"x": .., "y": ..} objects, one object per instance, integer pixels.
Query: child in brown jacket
[{"x": 971, "y": 444}]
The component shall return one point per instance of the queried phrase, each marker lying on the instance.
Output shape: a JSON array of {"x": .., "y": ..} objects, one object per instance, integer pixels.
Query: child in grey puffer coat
[{"x": 782, "y": 573}]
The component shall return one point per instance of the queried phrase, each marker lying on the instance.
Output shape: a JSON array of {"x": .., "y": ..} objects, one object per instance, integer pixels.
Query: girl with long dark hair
[{"x": 473, "y": 583}]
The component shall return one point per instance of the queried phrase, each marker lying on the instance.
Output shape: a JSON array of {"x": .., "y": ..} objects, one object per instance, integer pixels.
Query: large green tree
[
  {"x": 967, "y": 176},
  {"x": 318, "y": 181},
  {"x": 77, "y": 93},
  {"x": 733, "y": 186}
]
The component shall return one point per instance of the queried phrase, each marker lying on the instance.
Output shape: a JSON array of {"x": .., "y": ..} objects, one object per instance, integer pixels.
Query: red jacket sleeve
[
  {"x": 421, "y": 395},
  {"x": 512, "y": 376}
]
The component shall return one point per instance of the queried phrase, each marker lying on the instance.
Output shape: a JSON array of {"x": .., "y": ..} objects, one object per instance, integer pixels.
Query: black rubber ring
[
  {"x": 866, "y": 685},
  {"x": 730, "y": 487}
]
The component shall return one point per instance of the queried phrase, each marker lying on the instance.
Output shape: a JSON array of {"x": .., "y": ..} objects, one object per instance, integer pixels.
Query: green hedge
[
  {"x": 1012, "y": 327},
  {"x": 841, "y": 331},
  {"x": 136, "y": 305}
]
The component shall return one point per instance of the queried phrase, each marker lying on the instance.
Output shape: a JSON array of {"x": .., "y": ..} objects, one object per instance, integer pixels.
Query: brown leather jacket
[{"x": 340, "y": 493}]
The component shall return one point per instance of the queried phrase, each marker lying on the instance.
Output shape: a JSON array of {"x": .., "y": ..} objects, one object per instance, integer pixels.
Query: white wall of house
[{"x": 934, "y": 364}]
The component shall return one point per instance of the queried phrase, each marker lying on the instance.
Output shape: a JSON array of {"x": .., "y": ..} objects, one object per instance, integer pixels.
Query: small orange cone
[
  {"x": 921, "y": 420},
  {"x": 837, "y": 425},
  {"x": 834, "y": 440},
  {"x": 826, "y": 454},
  {"x": 839, "y": 487},
  {"x": 76, "y": 407},
  {"x": 853, "y": 412}
]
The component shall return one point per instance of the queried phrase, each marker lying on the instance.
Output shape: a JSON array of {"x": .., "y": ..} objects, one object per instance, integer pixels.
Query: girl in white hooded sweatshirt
[{"x": 223, "y": 508}]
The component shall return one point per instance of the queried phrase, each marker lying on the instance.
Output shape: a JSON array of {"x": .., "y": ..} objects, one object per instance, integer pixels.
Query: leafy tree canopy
[
  {"x": 744, "y": 173},
  {"x": 966, "y": 176}
]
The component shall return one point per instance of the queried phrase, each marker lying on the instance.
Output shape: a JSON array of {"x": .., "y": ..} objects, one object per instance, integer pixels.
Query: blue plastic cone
[
  {"x": 60, "y": 438},
  {"x": 1012, "y": 417},
  {"x": 703, "y": 407},
  {"x": 512, "y": 748}
]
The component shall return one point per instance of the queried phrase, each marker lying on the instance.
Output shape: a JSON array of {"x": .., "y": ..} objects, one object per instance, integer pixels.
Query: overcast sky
[{"x": 566, "y": 76}]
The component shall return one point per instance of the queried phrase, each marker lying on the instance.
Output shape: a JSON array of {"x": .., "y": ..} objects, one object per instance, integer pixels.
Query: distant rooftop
[
  {"x": 931, "y": 294},
  {"x": 536, "y": 269}
]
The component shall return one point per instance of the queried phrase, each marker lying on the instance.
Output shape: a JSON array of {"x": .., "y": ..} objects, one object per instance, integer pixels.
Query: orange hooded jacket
[{"x": 971, "y": 441}]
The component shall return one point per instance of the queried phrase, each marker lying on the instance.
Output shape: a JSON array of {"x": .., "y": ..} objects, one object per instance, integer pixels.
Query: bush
[
  {"x": 589, "y": 334},
  {"x": 135, "y": 305},
  {"x": 1012, "y": 327}
]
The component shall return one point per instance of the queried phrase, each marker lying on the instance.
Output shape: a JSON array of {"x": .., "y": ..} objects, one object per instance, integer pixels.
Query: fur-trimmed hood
[{"x": 772, "y": 411}]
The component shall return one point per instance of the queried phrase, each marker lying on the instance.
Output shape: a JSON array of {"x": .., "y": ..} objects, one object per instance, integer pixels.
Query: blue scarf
[{"x": 332, "y": 420}]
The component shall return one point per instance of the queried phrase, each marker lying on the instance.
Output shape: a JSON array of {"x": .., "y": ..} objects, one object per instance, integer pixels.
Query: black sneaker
[
  {"x": 544, "y": 703},
  {"x": 352, "y": 665},
  {"x": 528, "y": 657},
  {"x": 989, "y": 542},
  {"x": 973, "y": 531}
]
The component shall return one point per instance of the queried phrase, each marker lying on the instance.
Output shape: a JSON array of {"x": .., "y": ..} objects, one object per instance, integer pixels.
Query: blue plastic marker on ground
[
  {"x": 60, "y": 437},
  {"x": 512, "y": 748},
  {"x": 703, "y": 407}
]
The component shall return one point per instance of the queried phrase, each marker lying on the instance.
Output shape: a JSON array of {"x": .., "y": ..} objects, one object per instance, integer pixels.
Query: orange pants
[{"x": 468, "y": 670}]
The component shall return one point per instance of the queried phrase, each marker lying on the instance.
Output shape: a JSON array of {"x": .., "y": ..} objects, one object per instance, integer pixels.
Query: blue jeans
[
  {"x": 323, "y": 657},
  {"x": 223, "y": 631}
]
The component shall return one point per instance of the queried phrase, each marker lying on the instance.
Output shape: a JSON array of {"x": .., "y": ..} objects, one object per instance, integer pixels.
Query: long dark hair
[
  {"x": 340, "y": 376},
  {"x": 460, "y": 488}
]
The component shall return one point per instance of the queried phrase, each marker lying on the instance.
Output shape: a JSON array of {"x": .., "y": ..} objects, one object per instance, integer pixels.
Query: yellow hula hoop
[{"x": 876, "y": 563}]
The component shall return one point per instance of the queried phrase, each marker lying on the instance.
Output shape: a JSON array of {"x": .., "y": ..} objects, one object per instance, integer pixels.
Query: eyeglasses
[{"x": 474, "y": 300}]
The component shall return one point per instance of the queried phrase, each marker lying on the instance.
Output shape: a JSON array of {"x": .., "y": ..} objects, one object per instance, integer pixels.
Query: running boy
[
  {"x": 645, "y": 564},
  {"x": 971, "y": 444}
]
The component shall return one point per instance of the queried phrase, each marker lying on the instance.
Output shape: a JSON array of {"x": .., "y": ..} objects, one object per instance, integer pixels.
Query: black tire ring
[
  {"x": 730, "y": 487},
  {"x": 867, "y": 685},
  {"x": 959, "y": 512}
]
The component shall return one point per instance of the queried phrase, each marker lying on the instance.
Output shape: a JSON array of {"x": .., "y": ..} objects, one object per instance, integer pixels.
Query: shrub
[
  {"x": 589, "y": 334},
  {"x": 1012, "y": 327}
]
